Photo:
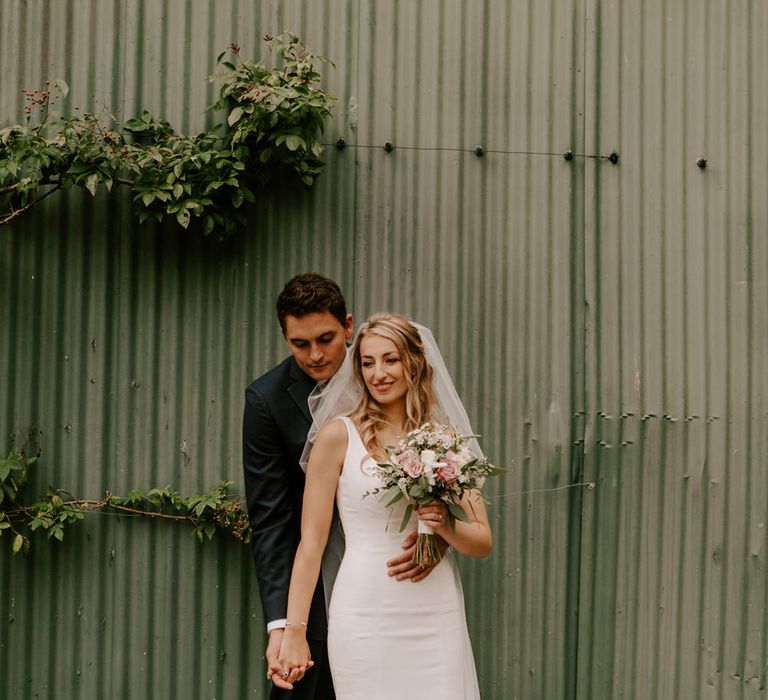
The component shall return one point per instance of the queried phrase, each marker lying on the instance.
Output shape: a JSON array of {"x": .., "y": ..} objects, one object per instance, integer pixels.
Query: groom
[{"x": 316, "y": 326}]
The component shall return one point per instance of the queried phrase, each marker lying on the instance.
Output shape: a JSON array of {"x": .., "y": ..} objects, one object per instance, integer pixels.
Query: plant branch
[
  {"x": 18, "y": 212},
  {"x": 150, "y": 513},
  {"x": 209, "y": 513},
  {"x": 274, "y": 118}
]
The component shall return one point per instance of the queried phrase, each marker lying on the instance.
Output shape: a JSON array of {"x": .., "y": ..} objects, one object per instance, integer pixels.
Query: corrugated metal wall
[
  {"x": 604, "y": 323},
  {"x": 673, "y": 595}
]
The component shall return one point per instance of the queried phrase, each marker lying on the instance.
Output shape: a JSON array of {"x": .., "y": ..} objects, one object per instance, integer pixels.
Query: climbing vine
[
  {"x": 216, "y": 511},
  {"x": 274, "y": 116}
]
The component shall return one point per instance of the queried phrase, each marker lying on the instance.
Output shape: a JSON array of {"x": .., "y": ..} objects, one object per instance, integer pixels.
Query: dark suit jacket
[{"x": 275, "y": 425}]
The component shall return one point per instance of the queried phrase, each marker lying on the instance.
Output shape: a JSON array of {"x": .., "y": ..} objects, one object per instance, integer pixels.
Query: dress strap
[{"x": 352, "y": 432}]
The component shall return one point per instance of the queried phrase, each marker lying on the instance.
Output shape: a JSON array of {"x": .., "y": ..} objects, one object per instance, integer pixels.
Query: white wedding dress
[{"x": 386, "y": 638}]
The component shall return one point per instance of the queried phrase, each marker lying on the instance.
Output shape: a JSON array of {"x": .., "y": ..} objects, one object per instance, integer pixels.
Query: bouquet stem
[{"x": 426, "y": 552}]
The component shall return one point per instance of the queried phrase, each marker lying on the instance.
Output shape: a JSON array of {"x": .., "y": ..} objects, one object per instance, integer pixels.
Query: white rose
[{"x": 428, "y": 458}]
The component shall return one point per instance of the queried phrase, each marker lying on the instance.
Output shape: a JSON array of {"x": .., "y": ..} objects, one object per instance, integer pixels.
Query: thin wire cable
[
  {"x": 464, "y": 150},
  {"x": 589, "y": 484}
]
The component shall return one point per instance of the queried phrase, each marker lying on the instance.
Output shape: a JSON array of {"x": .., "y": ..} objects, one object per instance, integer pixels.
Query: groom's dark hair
[{"x": 310, "y": 293}]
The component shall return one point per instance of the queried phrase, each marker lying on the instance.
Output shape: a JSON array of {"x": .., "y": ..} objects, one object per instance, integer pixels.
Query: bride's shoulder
[{"x": 333, "y": 435}]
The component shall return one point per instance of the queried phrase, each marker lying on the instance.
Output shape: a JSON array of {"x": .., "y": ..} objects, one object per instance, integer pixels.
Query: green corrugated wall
[{"x": 606, "y": 323}]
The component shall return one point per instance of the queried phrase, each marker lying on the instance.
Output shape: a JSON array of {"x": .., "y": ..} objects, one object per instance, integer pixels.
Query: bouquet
[{"x": 431, "y": 463}]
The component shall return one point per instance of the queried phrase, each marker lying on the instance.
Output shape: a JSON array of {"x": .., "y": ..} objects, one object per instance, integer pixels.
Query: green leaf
[
  {"x": 457, "y": 511},
  {"x": 237, "y": 199},
  {"x": 294, "y": 142},
  {"x": 183, "y": 218},
  {"x": 418, "y": 489},
  {"x": 147, "y": 198},
  {"x": 234, "y": 116},
  {"x": 394, "y": 497},
  {"x": 18, "y": 541},
  {"x": 406, "y": 516},
  {"x": 5, "y": 469},
  {"x": 317, "y": 149},
  {"x": 91, "y": 182}
]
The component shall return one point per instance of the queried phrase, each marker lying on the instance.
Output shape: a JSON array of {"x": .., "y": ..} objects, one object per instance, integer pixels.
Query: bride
[{"x": 385, "y": 639}]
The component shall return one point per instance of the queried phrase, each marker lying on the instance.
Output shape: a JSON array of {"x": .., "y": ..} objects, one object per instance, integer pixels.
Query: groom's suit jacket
[{"x": 276, "y": 421}]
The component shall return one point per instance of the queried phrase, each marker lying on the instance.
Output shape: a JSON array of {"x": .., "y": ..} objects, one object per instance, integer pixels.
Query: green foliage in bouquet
[{"x": 274, "y": 120}]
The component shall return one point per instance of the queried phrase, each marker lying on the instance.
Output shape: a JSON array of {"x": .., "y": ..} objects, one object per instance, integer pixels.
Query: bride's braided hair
[{"x": 419, "y": 399}]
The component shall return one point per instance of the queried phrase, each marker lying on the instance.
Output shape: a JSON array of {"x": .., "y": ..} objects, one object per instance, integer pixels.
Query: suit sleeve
[{"x": 267, "y": 491}]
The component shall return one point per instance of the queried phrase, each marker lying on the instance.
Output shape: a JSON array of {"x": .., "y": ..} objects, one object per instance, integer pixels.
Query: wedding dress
[{"x": 386, "y": 638}]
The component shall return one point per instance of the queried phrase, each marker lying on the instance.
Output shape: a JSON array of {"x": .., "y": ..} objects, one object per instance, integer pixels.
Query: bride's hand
[
  {"x": 434, "y": 514},
  {"x": 295, "y": 658}
]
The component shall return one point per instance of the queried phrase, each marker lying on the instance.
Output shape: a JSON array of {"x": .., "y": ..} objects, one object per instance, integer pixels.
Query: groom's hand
[
  {"x": 274, "y": 670},
  {"x": 403, "y": 567}
]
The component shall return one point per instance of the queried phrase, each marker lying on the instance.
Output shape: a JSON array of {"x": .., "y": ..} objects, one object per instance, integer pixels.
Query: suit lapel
[{"x": 300, "y": 388}]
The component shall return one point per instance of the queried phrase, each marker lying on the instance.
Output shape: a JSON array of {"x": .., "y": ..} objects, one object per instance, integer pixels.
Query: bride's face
[{"x": 382, "y": 369}]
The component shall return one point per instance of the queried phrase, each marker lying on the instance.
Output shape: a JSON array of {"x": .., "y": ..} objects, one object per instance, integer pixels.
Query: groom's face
[{"x": 318, "y": 342}]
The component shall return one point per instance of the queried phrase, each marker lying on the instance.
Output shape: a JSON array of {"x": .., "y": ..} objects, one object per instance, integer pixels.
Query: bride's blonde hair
[{"x": 419, "y": 399}]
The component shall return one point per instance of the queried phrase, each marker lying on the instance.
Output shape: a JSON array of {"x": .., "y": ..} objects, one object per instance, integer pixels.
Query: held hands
[
  {"x": 293, "y": 659},
  {"x": 274, "y": 670}
]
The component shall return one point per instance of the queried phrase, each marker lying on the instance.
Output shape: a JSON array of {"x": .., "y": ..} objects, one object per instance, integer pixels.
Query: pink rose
[
  {"x": 412, "y": 467},
  {"x": 449, "y": 469}
]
